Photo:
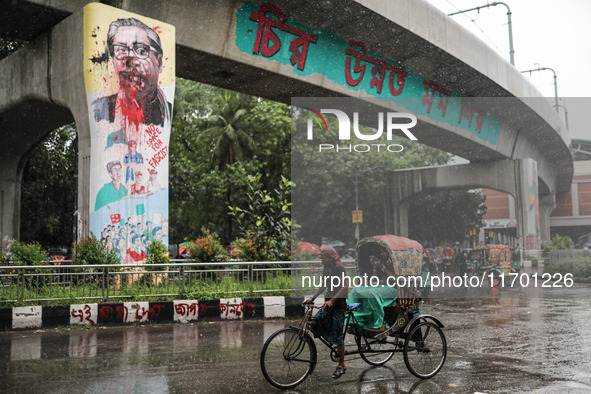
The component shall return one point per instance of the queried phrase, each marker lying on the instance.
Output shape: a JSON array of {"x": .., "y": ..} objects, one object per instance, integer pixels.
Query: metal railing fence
[{"x": 180, "y": 279}]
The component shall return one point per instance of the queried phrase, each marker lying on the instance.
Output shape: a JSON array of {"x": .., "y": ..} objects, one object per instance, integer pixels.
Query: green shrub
[
  {"x": 207, "y": 248},
  {"x": 25, "y": 254},
  {"x": 265, "y": 220},
  {"x": 558, "y": 242},
  {"x": 92, "y": 251},
  {"x": 30, "y": 255},
  {"x": 244, "y": 249},
  {"x": 157, "y": 254}
]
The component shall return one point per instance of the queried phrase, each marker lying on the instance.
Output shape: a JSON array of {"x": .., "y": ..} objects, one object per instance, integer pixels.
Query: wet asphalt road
[{"x": 506, "y": 341}]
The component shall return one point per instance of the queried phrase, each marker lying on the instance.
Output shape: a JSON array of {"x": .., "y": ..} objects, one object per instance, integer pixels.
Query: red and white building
[{"x": 572, "y": 215}]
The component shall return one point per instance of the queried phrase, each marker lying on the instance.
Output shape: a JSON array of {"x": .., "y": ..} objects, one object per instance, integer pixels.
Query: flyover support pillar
[
  {"x": 527, "y": 205},
  {"x": 547, "y": 205},
  {"x": 10, "y": 190}
]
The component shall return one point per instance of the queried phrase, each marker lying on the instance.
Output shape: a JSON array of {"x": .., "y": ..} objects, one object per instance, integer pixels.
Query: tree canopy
[
  {"x": 324, "y": 196},
  {"x": 48, "y": 194},
  {"x": 220, "y": 138},
  {"x": 445, "y": 217}
]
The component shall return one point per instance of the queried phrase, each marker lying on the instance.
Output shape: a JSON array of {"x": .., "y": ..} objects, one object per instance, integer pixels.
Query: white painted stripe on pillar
[
  {"x": 274, "y": 306},
  {"x": 26, "y": 317},
  {"x": 136, "y": 311},
  {"x": 186, "y": 311},
  {"x": 84, "y": 314},
  {"x": 231, "y": 308}
]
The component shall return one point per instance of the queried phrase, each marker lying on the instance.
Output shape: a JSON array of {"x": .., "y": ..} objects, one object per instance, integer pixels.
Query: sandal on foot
[{"x": 338, "y": 372}]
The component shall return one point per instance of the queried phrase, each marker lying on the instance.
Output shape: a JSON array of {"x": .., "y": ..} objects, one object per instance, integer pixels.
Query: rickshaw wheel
[
  {"x": 385, "y": 349},
  {"x": 425, "y": 350},
  {"x": 288, "y": 358}
]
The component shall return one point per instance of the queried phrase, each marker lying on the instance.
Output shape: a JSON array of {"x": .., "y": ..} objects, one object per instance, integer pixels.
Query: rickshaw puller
[{"x": 331, "y": 317}]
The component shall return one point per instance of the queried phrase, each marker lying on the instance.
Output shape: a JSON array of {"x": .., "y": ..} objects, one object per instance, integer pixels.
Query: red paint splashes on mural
[{"x": 133, "y": 111}]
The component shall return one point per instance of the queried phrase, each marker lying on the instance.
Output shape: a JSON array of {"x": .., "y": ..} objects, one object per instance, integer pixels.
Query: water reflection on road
[{"x": 511, "y": 341}]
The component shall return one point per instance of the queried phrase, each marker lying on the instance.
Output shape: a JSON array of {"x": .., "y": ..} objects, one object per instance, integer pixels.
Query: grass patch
[{"x": 149, "y": 287}]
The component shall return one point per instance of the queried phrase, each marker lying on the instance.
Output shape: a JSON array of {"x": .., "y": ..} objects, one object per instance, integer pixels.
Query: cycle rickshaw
[{"x": 289, "y": 355}]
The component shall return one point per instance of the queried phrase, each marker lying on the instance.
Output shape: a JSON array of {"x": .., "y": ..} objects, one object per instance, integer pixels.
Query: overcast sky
[{"x": 546, "y": 33}]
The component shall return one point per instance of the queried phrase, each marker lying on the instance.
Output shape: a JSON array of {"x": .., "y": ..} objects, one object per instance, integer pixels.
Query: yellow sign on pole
[{"x": 357, "y": 216}]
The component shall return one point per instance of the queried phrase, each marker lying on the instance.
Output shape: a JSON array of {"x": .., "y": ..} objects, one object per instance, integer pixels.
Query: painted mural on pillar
[
  {"x": 129, "y": 66},
  {"x": 267, "y": 32}
]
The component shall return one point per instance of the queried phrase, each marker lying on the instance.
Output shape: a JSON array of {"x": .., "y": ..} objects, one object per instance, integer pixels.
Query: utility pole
[
  {"x": 511, "y": 50},
  {"x": 356, "y": 183},
  {"x": 565, "y": 115}
]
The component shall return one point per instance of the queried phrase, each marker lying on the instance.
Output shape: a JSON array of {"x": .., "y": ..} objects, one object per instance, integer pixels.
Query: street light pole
[
  {"x": 555, "y": 83},
  {"x": 509, "y": 24},
  {"x": 565, "y": 115}
]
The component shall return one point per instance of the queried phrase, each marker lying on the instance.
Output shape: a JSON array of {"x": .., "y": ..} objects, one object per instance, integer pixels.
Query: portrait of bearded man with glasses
[{"x": 136, "y": 53}]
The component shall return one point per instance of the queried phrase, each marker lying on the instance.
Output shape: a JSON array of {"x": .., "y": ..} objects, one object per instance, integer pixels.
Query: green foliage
[
  {"x": 207, "y": 248},
  {"x": 445, "y": 217},
  {"x": 226, "y": 131},
  {"x": 212, "y": 156},
  {"x": 201, "y": 175},
  {"x": 265, "y": 220},
  {"x": 229, "y": 287},
  {"x": 157, "y": 254},
  {"x": 578, "y": 266},
  {"x": 93, "y": 251},
  {"x": 245, "y": 249},
  {"x": 325, "y": 192},
  {"x": 27, "y": 254},
  {"x": 20, "y": 253},
  {"x": 48, "y": 190},
  {"x": 558, "y": 242}
]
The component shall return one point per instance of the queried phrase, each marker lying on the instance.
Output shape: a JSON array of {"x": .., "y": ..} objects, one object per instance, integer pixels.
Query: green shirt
[{"x": 109, "y": 194}]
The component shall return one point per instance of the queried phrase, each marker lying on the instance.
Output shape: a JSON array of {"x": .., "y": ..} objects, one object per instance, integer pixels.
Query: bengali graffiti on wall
[
  {"x": 129, "y": 69},
  {"x": 267, "y": 32}
]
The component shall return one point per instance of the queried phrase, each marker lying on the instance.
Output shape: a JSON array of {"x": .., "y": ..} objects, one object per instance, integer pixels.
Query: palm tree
[
  {"x": 227, "y": 130},
  {"x": 228, "y": 136}
]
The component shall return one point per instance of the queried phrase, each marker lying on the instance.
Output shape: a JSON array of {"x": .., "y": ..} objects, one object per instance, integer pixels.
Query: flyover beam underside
[{"x": 510, "y": 176}]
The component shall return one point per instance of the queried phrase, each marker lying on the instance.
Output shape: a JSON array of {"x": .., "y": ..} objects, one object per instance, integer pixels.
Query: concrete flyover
[{"x": 42, "y": 84}]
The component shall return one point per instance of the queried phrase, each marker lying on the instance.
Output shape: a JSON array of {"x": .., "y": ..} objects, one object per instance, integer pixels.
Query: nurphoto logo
[{"x": 388, "y": 122}]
